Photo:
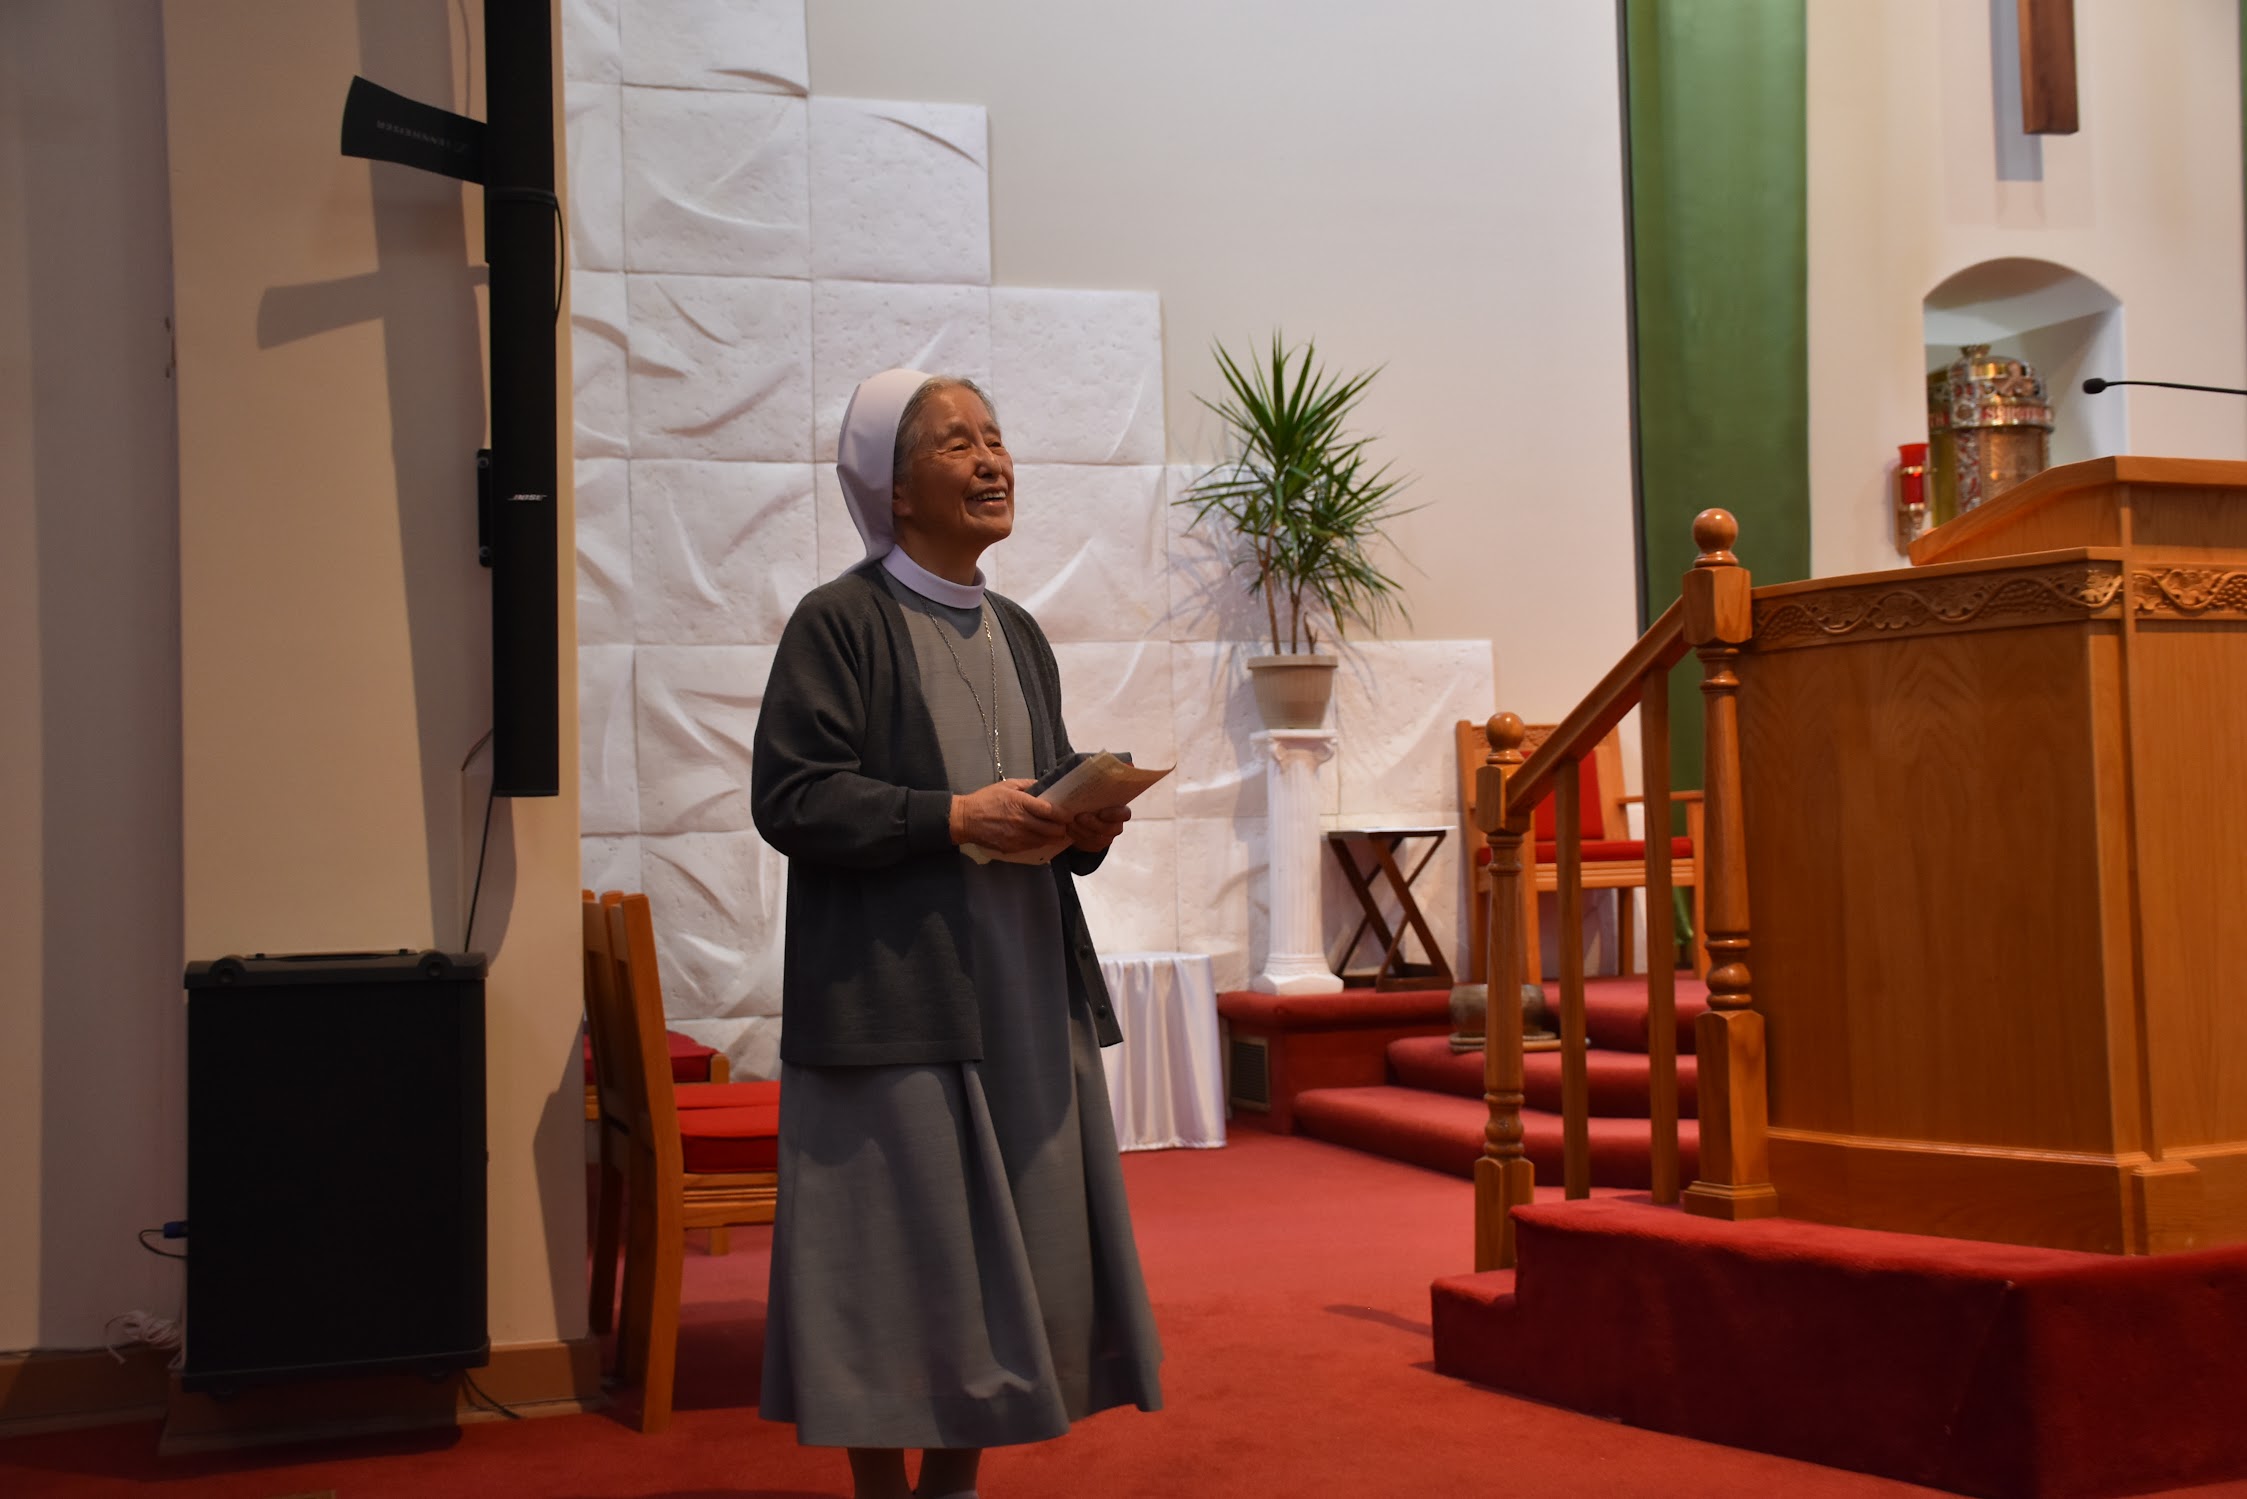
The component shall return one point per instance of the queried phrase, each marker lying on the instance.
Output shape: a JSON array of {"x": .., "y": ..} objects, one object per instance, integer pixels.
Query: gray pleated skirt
[{"x": 952, "y": 1261}]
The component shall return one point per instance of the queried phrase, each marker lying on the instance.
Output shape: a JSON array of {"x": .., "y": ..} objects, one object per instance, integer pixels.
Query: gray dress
[{"x": 952, "y": 1260}]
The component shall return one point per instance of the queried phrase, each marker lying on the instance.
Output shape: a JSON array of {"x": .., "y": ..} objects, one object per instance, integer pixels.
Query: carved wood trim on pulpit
[
  {"x": 2063, "y": 593},
  {"x": 2163, "y": 592}
]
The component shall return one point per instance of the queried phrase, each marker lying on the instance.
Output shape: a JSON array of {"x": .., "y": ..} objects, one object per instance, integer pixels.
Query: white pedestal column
[{"x": 1297, "y": 964}]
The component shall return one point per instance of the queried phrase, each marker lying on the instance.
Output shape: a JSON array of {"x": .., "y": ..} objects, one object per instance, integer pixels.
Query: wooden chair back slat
[
  {"x": 606, "y": 1021},
  {"x": 654, "y": 1109}
]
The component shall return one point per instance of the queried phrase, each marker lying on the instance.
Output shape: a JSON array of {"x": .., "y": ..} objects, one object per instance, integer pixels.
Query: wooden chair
[
  {"x": 1613, "y": 859},
  {"x": 691, "y": 1062},
  {"x": 701, "y": 1078},
  {"x": 679, "y": 1167}
]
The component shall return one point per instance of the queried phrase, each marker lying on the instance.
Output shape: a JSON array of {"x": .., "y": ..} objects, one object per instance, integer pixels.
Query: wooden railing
[{"x": 1713, "y": 616}]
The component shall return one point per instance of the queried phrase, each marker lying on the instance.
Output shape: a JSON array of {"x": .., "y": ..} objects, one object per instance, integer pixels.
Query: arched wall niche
[{"x": 2063, "y": 323}]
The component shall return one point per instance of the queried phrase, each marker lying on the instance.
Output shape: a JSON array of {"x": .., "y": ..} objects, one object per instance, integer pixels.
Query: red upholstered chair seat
[
  {"x": 718, "y": 1141},
  {"x": 1614, "y": 850},
  {"x": 1600, "y": 851},
  {"x": 726, "y": 1095}
]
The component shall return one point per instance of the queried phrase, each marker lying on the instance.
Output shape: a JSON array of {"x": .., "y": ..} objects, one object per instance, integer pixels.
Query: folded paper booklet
[{"x": 1085, "y": 782}]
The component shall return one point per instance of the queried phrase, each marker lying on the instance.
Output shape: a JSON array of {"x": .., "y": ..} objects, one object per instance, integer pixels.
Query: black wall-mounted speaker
[
  {"x": 335, "y": 1167},
  {"x": 522, "y": 234}
]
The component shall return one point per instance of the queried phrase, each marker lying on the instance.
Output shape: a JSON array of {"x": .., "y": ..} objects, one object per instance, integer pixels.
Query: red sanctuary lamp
[{"x": 1910, "y": 493}]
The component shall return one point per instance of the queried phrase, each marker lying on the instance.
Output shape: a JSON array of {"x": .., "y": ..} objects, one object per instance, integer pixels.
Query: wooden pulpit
[{"x": 1996, "y": 847}]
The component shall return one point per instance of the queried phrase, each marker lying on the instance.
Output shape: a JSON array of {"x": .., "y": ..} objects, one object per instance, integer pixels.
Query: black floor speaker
[{"x": 335, "y": 1167}]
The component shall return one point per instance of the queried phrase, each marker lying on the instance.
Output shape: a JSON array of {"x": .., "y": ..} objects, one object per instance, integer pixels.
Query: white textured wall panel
[
  {"x": 599, "y": 333},
  {"x": 697, "y": 715},
  {"x": 715, "y": 184},
  {"x": 604, "y": 552},
  {"x": 1089, "y": 551},
  {"x": 1080, "y": 374},
  {"x": 1131, "y": 900},
  {"x": 721, "y": 368},
  {"x": 719, "y": 901},
  {"x": 900, "y": 192},
  {"x": 1222, "y": 909},
  {"x": 840, "y": 548},
  {"x": 1208, "y": 597},
  {"x": 1395, "y": 704},
  {"x": 860, "y": 328},
  {"x": 1117, "y": 697},
  {"x": 715, "y": 44},
  {"x": 590, "y": 42},
  {"x": 721, "y": 552},
  {"x": 611, "y": 863},
  {"x": 595, "y": 134},
  {"x": 608, "y": 763}
]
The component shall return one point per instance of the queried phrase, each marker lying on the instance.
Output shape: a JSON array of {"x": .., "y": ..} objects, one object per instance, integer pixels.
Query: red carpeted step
[
  {"x": 1615, "y": 1011},
  {"x": 1995, "y": 1368},
  {"x": 1618, "y": 1078},
  {"x": 1444, "y": 1133}
]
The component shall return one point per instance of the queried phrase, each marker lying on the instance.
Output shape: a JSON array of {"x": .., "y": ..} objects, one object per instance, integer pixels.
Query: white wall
[
  {"x": 91, "y": 1039},
  {"x": 1434, "y": 185},
  {"x": 1904, "y": 193}
]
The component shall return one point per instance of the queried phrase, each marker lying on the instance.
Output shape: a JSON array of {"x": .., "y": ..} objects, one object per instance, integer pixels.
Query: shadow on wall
[{"x": 423, "y": 293}]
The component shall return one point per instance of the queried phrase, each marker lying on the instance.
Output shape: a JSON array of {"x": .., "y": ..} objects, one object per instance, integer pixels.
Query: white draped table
[{"x": 1166, "y": 1082}]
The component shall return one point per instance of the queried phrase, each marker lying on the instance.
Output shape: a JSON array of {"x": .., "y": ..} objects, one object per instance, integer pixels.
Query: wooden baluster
[
  {"x": 1575, "y": 1082},
  {"x": 1735, "y": 1172},
  {"x": 1661, "y": 933},
  {"x": 1504, "y": 1177}
]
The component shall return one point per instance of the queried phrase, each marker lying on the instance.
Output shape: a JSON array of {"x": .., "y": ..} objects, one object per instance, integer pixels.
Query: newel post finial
[
  {"x": 1504, "y": 734},
  {"x": 1714, "y": 531}
]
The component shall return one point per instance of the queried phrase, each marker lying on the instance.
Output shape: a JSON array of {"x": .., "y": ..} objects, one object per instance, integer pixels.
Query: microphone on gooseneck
[{"x": 2093, "y": 386}]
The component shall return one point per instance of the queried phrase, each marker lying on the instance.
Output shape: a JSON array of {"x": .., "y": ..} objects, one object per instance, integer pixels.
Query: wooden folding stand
[{"x": 1394, "y": 971}]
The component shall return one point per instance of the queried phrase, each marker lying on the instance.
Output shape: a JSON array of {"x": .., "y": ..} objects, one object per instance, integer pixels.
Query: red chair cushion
[
  {"x": 1598, "y": 851},
  {"x": 719, "y": 1141},
  {"x": 1614, "y": 850},
  {"x": 1591, "y": 811},
  {"x": 727, "y": 1095},
  {"x": 690, "y": 1060}
]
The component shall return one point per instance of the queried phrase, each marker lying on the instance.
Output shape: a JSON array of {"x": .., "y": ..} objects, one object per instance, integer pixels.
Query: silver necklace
[{"x": 990, "y": 719}]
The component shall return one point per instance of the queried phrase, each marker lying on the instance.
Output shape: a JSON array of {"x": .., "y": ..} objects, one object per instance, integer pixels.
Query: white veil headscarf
[
  {"x": 866, "y": 461},
  {"x": 866, "y": 453}
]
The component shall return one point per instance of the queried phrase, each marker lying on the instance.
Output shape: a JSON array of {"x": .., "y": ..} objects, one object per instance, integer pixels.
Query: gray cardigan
[{"x": 847, "y": 780}]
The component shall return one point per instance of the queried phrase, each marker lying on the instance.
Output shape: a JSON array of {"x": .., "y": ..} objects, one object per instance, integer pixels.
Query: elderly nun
[{"x": 953, "y": 1265}]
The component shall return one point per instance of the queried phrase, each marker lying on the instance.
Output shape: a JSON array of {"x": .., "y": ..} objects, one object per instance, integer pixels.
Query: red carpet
[
  {"x": 1291, "y": 1284},
  {"x": 1983, "y": 1368}
]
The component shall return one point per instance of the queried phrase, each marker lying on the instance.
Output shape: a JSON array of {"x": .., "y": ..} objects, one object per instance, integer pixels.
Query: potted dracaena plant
[{"x": 1306, "y": 506}]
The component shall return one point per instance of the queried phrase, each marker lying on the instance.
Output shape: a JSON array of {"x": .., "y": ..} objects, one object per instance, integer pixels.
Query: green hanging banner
[{"x": 1715, "y": 101}]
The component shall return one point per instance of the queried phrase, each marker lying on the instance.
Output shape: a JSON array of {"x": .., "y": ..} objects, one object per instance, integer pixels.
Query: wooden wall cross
[{"x": 2048, "y": 67}]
